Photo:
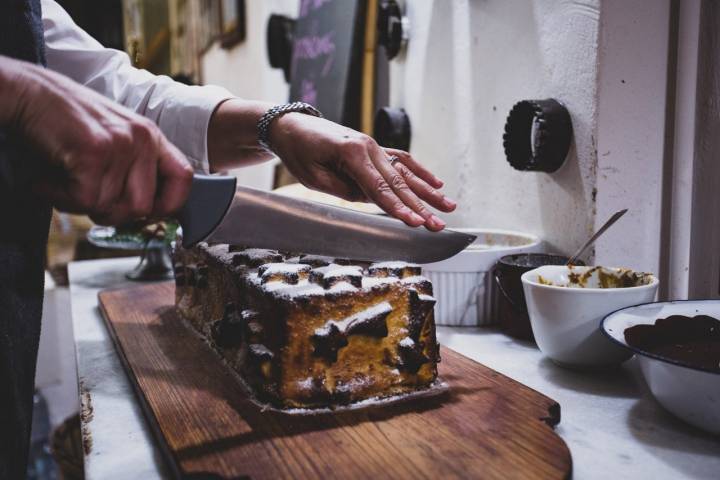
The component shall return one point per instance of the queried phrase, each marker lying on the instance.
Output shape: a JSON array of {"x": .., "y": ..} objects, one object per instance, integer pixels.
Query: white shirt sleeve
[{"x": 181, "y": 111}]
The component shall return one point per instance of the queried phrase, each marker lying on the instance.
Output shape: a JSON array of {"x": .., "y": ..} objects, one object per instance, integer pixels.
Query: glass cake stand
[{"x": 155, "y": 262}]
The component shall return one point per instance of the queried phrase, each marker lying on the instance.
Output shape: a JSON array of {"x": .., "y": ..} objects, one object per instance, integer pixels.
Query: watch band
[{"x": 263, "y": 125}]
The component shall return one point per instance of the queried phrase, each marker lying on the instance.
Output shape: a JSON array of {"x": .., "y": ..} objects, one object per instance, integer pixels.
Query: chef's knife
[{"x": 219, "y": 211}]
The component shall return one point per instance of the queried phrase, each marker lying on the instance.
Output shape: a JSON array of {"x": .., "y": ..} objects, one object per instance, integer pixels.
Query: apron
[{"x": 24, "y": 223}]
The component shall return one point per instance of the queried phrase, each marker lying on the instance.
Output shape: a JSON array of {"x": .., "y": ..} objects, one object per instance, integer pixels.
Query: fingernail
[
  {"x": 440, "y": 182},
  {"x": 449, "y": 203},
  {"x": 437, "y": 222}
]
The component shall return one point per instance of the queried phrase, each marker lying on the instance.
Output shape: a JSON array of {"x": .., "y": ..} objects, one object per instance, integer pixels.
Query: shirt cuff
[{"x": 185, "y": 118}]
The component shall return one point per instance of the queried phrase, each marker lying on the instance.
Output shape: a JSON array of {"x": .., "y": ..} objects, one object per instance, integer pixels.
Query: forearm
[
  {"x": 232, "y": 134},
  {"x": 182, "y": 112}
]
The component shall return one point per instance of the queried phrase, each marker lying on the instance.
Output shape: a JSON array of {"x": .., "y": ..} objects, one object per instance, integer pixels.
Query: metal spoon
[{"x": 616, "y": 216}]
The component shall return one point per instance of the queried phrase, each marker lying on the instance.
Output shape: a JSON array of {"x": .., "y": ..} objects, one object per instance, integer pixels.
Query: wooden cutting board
[{"x": 485, "y": 426}]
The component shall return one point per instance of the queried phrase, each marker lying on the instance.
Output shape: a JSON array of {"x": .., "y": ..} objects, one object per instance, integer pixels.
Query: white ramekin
[{"x": 463, "y": 284}]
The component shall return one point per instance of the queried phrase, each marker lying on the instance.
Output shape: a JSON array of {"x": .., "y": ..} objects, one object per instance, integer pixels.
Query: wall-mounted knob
[
  {"x": 392, "y": 128},
  {"x": 537, "y": 135},
  {"x": 279, "y": 39},
  {"x": 392, "y": 27}
]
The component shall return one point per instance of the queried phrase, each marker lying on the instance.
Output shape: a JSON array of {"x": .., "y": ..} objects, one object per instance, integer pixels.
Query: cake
[{"x": 305, "y": 331}]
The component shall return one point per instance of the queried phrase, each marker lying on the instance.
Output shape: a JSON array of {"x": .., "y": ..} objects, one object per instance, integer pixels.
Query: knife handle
[{"x": 206, "y": 205}]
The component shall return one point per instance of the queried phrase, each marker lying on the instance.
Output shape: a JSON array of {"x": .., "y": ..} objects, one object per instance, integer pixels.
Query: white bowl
[
  {"x": 463, "y": 285},
  {"x": 565, "y": 319},
  {"x": 691, "y": 393}
]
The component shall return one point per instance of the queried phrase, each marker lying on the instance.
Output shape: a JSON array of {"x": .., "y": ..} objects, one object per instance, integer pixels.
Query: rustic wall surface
[
  {"x": 466, "y": 64},
  {"x": 632, "y": 106}
]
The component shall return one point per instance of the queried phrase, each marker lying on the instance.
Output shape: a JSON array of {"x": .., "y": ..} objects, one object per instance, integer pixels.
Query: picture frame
[
  {"x": 207, "y": 25},
  {"x": 232, "y": 22}
]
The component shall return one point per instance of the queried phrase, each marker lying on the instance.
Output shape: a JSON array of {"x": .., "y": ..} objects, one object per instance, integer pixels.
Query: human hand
[
  {"x": 335, "y": 159},
  {"x": 99, "y": 158}
]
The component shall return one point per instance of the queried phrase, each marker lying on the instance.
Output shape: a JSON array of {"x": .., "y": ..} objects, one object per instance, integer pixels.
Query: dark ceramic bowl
[{"x": 512, "y": 310}]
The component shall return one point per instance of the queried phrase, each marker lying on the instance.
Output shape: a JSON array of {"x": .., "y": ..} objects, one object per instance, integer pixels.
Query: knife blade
[{"x": 219, "y": 211}]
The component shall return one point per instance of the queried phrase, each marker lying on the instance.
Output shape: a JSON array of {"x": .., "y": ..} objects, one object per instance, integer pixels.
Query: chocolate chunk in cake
[
  {"x": 394, "y": 269},
  {"x": 333, "y": 274},
  {"x": 315, "y": 260},
  {"x": 290, "y": 273},
  {"x": 371, "y": 322},
  {"x": 180, "y": 275},
  {"x": 227, "y": 332},
  {"x": 420, "y": 306},
  {"x": 411, "y": 355},
  {"x": 328, "y": 340},
  {"x": 253, "y": 257},
  {"x": 253, "y": 325}
]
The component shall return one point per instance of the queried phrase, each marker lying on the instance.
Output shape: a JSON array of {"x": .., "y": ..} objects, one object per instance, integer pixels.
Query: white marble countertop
[{"x": 611, "y": 424}]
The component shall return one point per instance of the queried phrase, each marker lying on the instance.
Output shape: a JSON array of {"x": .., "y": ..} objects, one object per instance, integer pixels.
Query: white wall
[
  {"x": 632, "y": 104},
  {"x": 246, "y": 72},
  {"x": 469, "y": 61},
  {"x": 245, "y": 69},
  {"x": 466, "y": 64}
]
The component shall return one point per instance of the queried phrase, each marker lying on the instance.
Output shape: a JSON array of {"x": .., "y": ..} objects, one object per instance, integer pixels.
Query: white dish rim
[
  {"x": 525, "y": 278},
  {"x": 534, "y": 239},
  {"x": 651, "y": 355}
]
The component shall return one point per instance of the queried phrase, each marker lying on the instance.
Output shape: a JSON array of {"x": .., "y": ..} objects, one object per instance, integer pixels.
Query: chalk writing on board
[
  {"x": 326, "y": 66},
  {"x": 308, "y": 92},
  {"x": 312, "y": 47},
  {"x": 308, "y": 6}
]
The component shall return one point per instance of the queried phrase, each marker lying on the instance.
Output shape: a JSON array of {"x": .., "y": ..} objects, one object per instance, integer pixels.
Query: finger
[
  {"x": 379, "y": 191},
  {"x": 403, "y": 191},
  {"x": 174, "y": 176},
  {"x": 141, "y": 186},
  {"x": 416, "y": 167},
  {"x": 119, "y": 214},
  {"x": 424, "y": 191},
  {"x": 141, "y": 176},
  {"x": 110, "y": 171}
]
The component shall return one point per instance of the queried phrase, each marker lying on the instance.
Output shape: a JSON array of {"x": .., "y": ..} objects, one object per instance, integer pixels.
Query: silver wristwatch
[{"x": 263, "y": 125}]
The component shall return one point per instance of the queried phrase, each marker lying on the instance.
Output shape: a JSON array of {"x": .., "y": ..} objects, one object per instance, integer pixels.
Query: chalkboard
[{"x": 327, "y": 58}]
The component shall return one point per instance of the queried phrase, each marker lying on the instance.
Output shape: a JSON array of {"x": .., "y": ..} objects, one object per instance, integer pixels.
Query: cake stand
[{"x": 155, "y": 262}]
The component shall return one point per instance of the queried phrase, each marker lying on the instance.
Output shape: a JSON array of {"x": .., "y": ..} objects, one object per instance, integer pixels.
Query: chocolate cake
[{"x": 305, "y": 331}]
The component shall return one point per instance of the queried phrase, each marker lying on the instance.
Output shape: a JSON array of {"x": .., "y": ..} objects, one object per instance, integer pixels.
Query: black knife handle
[{"x": 209, "y": 200}]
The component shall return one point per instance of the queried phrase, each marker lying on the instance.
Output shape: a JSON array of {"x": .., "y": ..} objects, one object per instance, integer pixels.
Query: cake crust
[{"x": 309, "y": 331}]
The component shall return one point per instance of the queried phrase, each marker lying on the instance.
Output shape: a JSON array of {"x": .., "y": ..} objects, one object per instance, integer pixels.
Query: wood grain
[{"x": 486, "y": 426}]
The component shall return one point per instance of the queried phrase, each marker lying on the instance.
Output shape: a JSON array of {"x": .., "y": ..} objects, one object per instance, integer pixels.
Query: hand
[
  {"x": 334, "y": 159},
  {"x": 100, "y": 158}
]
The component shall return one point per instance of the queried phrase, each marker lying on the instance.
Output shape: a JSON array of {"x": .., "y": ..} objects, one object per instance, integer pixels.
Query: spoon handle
[{"x": 616, "y": 216}]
